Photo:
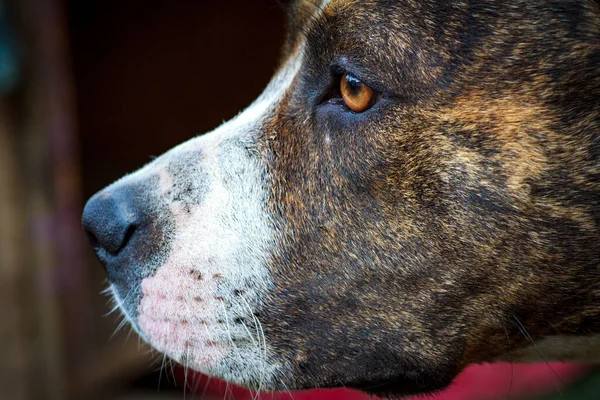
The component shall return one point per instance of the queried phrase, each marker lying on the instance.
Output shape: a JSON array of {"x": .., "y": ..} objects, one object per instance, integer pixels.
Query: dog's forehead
[
  {"x": 398, "y": 45},
  {"x": 417, "y": 50}
]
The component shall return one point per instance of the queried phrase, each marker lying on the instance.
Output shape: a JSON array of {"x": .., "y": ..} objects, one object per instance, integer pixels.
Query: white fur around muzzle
[{"x": 200, "y": 305}]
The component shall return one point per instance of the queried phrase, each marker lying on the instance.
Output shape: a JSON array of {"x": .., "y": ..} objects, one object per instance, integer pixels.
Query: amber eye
[{"x": 357, "y": 96}]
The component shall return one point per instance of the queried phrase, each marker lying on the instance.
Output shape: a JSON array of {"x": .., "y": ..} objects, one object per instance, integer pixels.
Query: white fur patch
[{"x": 199, "y": 307}]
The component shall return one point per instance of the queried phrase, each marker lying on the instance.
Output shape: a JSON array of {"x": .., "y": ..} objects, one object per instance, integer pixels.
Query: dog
[{"x": 416, "y": 190}]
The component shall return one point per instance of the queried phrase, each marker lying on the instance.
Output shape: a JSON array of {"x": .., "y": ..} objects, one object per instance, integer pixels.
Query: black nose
[{"x": 109, "y": 222}]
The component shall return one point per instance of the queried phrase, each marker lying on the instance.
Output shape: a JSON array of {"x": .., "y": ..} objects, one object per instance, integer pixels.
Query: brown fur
[
  {"x": 454, "y": 222},
  {"x": 468, "y": 203}
]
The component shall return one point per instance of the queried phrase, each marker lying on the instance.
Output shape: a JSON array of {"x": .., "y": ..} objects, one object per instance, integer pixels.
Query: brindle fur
[
  {"x": 418, "y": 233},
  {"x": 416, "y": 238}
]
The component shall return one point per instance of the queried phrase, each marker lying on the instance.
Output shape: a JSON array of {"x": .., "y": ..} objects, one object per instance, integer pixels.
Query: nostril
[{"x": 128, "y": 235}]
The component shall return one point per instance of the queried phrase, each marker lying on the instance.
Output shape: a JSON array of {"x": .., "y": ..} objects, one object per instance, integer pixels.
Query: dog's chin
[
  {"x": 191, "y": 343},
  {"x": 171, "y": 327},
  {"x": 184, "y": 341}
]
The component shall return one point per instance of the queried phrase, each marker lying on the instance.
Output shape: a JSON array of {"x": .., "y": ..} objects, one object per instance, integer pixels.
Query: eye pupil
[
  {"x": 354, "y": 84},
  {"x": 357, "y": 96}
]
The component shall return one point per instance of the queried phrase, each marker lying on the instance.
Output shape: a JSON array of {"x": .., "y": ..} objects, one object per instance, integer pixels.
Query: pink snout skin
[{"x": 177, "y": 313}]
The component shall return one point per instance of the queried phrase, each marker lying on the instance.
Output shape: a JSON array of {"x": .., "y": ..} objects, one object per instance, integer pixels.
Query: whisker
[
  {"x": 114, "y": 308},
  {"x": 512, "y": 365},
  {"x": 122, "y": 324},
  {"x": 227, "y": 389},
  {"x": 196, "y": 382},
  {"x": 172, "y": 368},
  {"x": 261, "y": 340},
  {"x": 209, "y": 337},
  {"x": 107, "y": 291},
  {"x": 208, "y": 379},
  {"x": 184, "y": 360},
  {"x": 557, "y": 381},
  {"x": 231, "y": 342},
  {"x": 162, "y": 369},
  {"x": 286, "y": 388},
  {"x": 227, "y": 327},
  {"x": 139, "y": 338}
]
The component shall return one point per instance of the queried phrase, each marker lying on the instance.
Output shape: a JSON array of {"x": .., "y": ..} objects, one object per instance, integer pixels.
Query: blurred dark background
[
  {"x": 151, "y": 74},
  {"x": 148, "y": 75},
  {"x": 91, "y": 90}
]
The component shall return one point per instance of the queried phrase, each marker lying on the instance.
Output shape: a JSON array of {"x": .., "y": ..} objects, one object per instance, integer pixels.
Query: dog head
[{"x": 417, "y": 186}]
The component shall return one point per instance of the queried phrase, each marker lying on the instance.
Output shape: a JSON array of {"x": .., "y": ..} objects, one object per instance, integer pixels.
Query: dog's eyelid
[{"x": 343, "y": 66}]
